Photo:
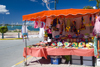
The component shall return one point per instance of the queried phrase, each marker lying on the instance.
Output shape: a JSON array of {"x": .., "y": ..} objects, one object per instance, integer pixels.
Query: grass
[{"x": 11, "y": 38}]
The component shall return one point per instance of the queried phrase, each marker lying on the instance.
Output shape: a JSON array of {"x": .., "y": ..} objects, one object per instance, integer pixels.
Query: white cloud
[
  {"x": 34, "y": 0},
  {"x": 7, "y": 13},
  {"x": 3, "y": 10}
]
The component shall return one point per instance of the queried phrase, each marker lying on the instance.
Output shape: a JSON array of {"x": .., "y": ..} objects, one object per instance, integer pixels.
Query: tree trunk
[
  {"x": 18, "y": 35},
  {"x": 2, "y": 35}
]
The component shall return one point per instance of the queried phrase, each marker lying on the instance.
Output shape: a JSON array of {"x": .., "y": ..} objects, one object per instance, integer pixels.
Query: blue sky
[{"x": 11, "y": 11}]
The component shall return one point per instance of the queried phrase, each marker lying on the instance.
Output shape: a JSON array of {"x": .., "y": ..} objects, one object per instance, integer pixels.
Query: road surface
[{"x": 11, "y": 51}]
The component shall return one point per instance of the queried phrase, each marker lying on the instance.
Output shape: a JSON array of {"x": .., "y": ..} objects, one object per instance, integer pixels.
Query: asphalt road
[{"x": 11, "y": 51}]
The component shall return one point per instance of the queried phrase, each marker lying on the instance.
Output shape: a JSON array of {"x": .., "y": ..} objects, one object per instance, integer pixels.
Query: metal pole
[{"x": 25, "y": 46}]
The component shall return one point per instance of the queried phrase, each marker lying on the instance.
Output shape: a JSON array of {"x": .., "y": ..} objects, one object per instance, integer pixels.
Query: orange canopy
[{"x": 64, "y": 12}]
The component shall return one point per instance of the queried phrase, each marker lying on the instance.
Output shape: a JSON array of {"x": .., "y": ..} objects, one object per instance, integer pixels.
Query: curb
[{"x": 11, "y": 38}]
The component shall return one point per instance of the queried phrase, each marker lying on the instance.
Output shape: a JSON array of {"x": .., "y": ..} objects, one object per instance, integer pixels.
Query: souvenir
[
  {"x": 74, "y": 36},
  {"x": 66, "y": 44},
  {"x": 81, "y": 44},
  {"x": 82, "y": 25},
  {"x": 74, "y": 44},
  {"x": 73, "y": 27},
  {"x": 74, "y": 40},
  {"x": 89, "y": 45},
  {"x": 59, "y": 44},
  {"x": 68, "y": 25},
  {"x": 42, "y": 44},
  {"x": 53, "y": 44}
]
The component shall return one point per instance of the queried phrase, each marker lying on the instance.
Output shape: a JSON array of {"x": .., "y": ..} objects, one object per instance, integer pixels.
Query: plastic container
[{"x": 55, "y": 60}]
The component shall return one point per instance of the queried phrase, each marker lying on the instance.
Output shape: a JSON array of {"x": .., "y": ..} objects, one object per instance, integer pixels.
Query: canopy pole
[{"x": 25, "y": 46}]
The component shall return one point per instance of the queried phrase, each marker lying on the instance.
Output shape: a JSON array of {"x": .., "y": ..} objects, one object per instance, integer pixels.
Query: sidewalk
[
  {"x": 46, "y": 63},
  {"x": 14, "y": 37}
]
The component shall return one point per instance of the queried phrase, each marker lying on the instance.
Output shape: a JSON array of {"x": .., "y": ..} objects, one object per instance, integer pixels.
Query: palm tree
[
  {"x": 56, "y": 1},
  {"x": 87, "y": 7},
  {"x": 98, "y": 2}
]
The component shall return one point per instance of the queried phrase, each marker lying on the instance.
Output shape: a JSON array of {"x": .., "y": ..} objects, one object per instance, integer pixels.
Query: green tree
[
  {"x": 87, "y": 7},
  {"x": 3, "y": 29},
  {"x": 98, "y": 3}
]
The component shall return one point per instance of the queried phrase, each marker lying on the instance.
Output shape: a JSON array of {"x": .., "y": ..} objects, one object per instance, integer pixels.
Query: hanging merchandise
[
  {"x": 41, "y": 33},
  {"x": 82, "y": 25},
  {"x": 36, "y": 24},
  {"x": 81, "y": 44},
  {"x": 73, "y": 27},
  {"x": 66, "y": 44},
  {"x": 68, "y": 25},
  {"x": 95, "y": 46},
  {"x": 39, "y": 24},
  {"x": 62, "y": 26},
  {"x": 58, "y": 23},
  {"x": 53, "y": 44},
  {"x": 97, "y": 25},
  {"x": 24, "y": 31},
  {"x": 74, "y": 44},
  {"x": 88, "y": 24},
  {"x": 59, "y": 44},
  {"x": 42, "y": 24},
  {"x": 54, "y": 22},
  {"x": 48, "y": 22},
  {"x": 92, "y": 20}
]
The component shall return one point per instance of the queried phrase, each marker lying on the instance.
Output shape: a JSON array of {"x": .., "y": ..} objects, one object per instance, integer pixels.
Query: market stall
[{"x": 67, "y": 32}]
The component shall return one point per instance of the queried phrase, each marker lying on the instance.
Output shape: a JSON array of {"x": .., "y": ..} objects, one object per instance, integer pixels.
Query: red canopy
[{"x": 65, "y": 12}]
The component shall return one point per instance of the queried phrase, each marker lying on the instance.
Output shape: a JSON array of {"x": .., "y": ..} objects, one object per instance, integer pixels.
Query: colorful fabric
[
  {"x": 36, "y": 24},
  {"x": 42, "y": 25},
  {"x": 48, "y": 21},
  {"x": 97, "y": 25}
]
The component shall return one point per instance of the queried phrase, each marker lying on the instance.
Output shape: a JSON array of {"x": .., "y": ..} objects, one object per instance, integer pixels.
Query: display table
[
  {"x": 43, "y": 52},
  {"x": 36, "y": 52},
  {"x": 70, "y": 51}
]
